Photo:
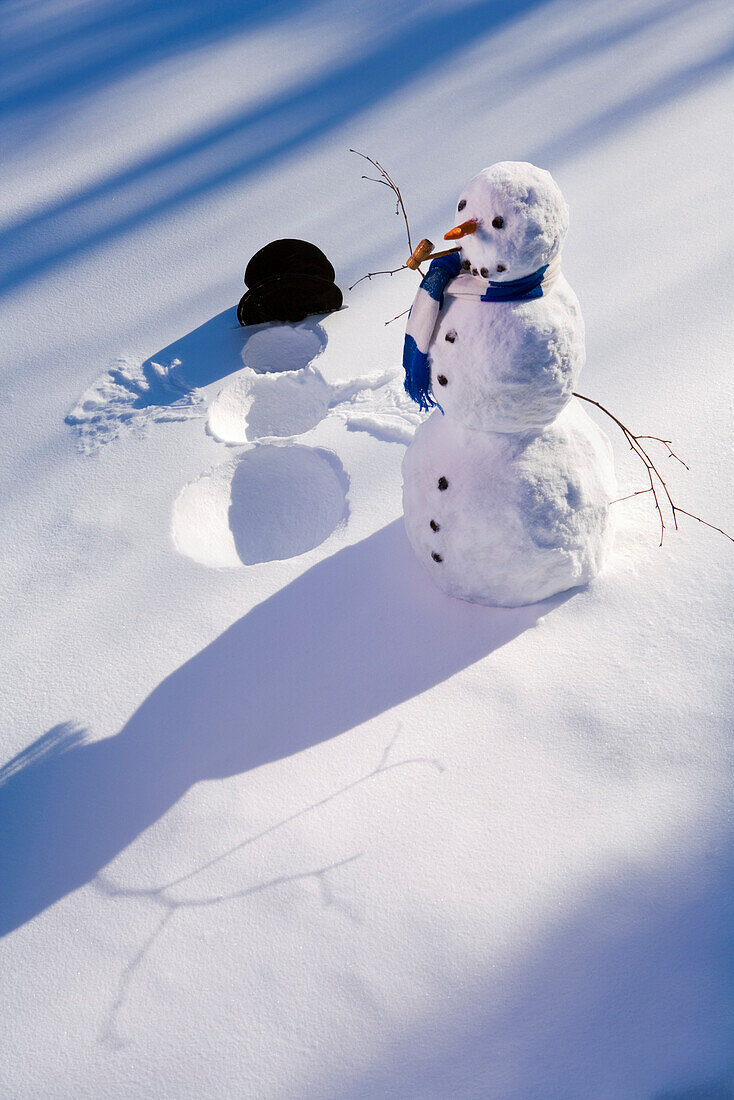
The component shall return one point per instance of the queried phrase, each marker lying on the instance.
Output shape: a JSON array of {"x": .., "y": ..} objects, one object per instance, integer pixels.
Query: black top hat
[{"x": 288, "y": 280}]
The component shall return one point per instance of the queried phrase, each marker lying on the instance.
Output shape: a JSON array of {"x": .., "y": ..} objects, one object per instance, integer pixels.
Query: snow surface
[{"x": 307, "y": 827}]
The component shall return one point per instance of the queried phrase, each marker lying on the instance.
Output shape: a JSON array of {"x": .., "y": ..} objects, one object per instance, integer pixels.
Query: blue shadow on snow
[
  {"x": 213, "y": 351},
  {"x": 250, "y": 140},
  {"x": 352, "y": 637},
  {"x": 246, "y": 142}
]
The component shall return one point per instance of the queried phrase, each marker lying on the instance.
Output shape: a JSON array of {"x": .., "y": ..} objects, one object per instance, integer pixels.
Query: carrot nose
[{"x": 461, "y": 230}]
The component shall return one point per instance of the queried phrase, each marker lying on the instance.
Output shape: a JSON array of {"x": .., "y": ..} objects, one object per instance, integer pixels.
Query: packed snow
[
  {"x": 509, "y": 518},
  {"x": 281, "y": 404},
  {"x": 278, "y": 817},
  {"x": 506, "y": 488}
]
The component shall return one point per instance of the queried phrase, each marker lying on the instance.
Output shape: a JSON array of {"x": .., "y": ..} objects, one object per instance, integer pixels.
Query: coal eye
[
  {"x": 461, "y": 205},
  {"x": 498, "y": 222}
]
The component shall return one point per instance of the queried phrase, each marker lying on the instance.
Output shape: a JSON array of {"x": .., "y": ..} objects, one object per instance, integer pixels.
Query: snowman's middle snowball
[{"x": 522, "y": 516}]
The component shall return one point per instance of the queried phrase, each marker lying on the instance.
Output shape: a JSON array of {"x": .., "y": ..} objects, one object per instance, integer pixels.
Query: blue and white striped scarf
[{"x": 444, "y": 277}]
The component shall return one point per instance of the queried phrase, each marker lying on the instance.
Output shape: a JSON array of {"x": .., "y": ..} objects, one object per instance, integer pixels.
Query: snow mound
[
  {"x": 385, "y": 428},
  {"x": 284, "y": 347},
  {"x": 200, "y": 521},
  {"x": 272, "y": 503},
  {"x": 256, "y": 406}
]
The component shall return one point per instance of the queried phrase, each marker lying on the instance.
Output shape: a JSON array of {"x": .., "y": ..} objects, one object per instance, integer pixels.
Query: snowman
[{"x": 506, "y": 486}]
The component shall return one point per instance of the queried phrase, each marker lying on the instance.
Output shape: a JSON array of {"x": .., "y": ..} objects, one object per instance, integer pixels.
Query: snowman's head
[{"x": 512, "y": 219}]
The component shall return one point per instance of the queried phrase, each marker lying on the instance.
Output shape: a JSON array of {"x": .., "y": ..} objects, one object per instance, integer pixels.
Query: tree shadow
[
  {"x": 245, "y": 142},
  {"x": 84, "y": 47},
  {"x": 708, "y": 1089},
  {"x": 352, "y": 637},
  {"x": 665, "y": 90},
  {"x": 250, "y": 140}
]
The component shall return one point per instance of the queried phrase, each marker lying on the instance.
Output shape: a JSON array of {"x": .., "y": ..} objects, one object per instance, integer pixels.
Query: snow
[
  {"x": 308, "y": 827},
  {"x": 509, "y": 518},
  {"x": 520, "y": 220},
  {"x": 282, "y": 404},
  {"x": 269, "y": 504},
  {"x": 289, "y": 347},
  {"x": 520, "y": 361}
]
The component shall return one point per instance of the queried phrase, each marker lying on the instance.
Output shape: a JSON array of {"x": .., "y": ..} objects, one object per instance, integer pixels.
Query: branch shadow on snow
[
  {"x": 352, "y": 637},
  {"x": 184, "y": 893}
]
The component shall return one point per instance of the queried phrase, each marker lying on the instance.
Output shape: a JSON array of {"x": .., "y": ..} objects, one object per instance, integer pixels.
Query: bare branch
[
  {"x": 398, "y": 316},
  {"x": 388, "y": 181},
  {"x": 372, "y": 178},
  {"x": 371, "y": 275},
  {"x": 671, "y": 452},
  {"x": 704, "y": 522},
  {"x": 638, "y": 493},
  {"x": 653, "y": 473}
]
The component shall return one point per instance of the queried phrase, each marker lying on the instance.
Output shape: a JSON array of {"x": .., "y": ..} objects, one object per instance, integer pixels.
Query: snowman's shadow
[{"x": 357, "y": 634}]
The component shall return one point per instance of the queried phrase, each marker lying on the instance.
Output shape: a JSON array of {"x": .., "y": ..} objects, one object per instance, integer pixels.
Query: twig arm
[
  {"x": 388, "y": 181},
  {"x": 653, "y": 473},
  {"x": 371, "y": 275}
]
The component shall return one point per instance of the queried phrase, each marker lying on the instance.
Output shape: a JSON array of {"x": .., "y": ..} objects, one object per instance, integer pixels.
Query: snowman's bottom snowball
[{"x": 520, "y": 517}]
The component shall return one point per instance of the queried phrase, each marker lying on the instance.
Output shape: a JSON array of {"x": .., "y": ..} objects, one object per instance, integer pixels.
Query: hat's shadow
[
  {"x": 166, "y": 386},
  {"x": 218, "y": 349},
  {"x": 355, "y": 635}
]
